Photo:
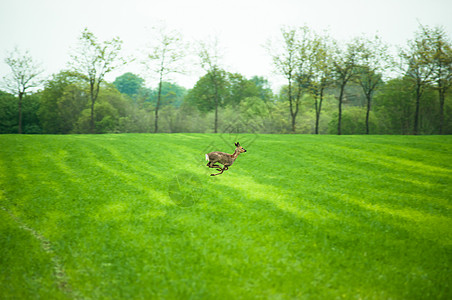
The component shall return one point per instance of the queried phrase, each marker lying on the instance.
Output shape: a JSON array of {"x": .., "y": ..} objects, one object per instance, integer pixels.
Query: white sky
[{"x": 49, "y": 28}]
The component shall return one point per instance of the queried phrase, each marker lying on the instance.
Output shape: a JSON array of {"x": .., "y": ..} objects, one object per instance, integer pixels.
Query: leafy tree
[
  {"x": 232, "y": 90},
  {"x": 93, "y": 60},
  {"x": 394, "y": 107},
  {"x": 119, "y": 101},
  {"x": 206, "y": 96},
  {"x": 109, "y": 109},
  {"x": 418, "y": 69},
  {"x": 344, "y": 70},
  {"x": 263, "y": 87},
  {"x": 209, "y": 56},
  {"x": 8, "y": 113},
  {"x": 265, "y": 93},
  {"x": 31, "y": 123},
  {"x": 239, "y": 88},
  {"x": 54, "y": 110},
  {"x": 320, "y": 73},
  {"x": 165, "y": 58},
  {"x": 254, "y": 112},
  {"x": 305, "y": 61},
  {"x": 353, "y": 121},
  {"x": 69, "y": 106},
  {"x": 136, "y": 120},
  {"x": 24, "y": 76},
  {"x": 172, "y": 94},
  {"x": 373, "y": 60},
  {"x": 129, "y": 84},
  {"x": 286, "y": 62},
  {"x": 440, "y": 56},
  {"x": 305, "y": 64}
]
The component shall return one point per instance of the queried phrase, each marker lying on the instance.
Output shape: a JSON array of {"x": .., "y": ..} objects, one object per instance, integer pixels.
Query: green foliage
[
  {"x": 110, "y": 107},
  {"x": 394, "y": 104},
  {"x": 61, "y": 102},
  {"x": 70, "y": 105},
  {"x": 93, "y": 60},
  {"x": 8, "y": 113},
  {"x": 395, "y": 108},
  {"x": 171, "y": 94},
  {"x": 232, "y": 88},
  {"x": 25, "y": 76},
  {"x": 136, "y": 120},
  {"x": 139, "y": 217},
  {"x": 353, "y": 121},
  {"x": 106, "y": 117},
  {"x": 203, "y": 94},
  {"x": 31, "y": 123},
  {"x": 129, "y": 84},
  {"x": 314, "y": 66},
  {"x": 263, "y": 87},
  {"x": 239, "y": 88}
]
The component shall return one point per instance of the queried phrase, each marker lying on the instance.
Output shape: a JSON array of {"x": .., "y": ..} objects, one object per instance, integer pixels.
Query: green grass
[{"x": 312, "y": 217}]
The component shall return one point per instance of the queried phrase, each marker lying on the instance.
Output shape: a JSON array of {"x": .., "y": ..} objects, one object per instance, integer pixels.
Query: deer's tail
[{"x": 207, "y": 157}]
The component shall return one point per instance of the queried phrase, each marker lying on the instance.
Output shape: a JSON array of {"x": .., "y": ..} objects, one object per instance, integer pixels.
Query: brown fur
[{"x": 223, "y": 158}]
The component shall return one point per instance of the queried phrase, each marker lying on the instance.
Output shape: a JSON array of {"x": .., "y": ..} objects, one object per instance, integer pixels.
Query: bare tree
[
  {"x": 163, "y": 59},
  {"x": 93, "y": 60},
  {"x": 24, "y": 76}
]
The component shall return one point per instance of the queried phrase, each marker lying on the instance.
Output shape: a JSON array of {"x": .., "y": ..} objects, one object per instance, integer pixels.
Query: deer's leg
[
  {"x": 210, "y": 165},
  {"x": 225, "y": 168},
  {"x": 217, "y": 173},
  {"x": 221, "y": 171}
]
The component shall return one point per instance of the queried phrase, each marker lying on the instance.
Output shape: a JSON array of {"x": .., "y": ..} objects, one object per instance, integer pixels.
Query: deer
[{"x": 223, "y": 158}]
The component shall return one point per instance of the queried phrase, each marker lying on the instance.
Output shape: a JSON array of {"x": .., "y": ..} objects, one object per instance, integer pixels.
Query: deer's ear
[{"x": 237, "y": 144}]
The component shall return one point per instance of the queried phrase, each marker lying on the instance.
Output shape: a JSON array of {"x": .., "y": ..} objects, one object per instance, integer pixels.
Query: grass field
[{"x": 296, "y": 217}]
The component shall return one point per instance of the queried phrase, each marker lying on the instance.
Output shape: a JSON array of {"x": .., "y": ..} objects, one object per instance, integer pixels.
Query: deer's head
[{"x": 239, "y": 148}]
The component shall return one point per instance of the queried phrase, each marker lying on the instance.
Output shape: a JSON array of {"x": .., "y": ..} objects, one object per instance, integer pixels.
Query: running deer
[{"x": 223, "y": 158}]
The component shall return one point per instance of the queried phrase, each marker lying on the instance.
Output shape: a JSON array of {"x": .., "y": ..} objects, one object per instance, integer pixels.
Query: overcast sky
[{"x": 49, "y": 28}]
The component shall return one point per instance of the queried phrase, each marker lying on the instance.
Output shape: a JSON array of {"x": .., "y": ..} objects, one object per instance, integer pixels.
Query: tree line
[{"x": 356, "y": 87}]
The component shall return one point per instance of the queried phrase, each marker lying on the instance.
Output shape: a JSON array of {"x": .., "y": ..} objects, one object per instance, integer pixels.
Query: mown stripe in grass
[{"x": 61, "y": 280}]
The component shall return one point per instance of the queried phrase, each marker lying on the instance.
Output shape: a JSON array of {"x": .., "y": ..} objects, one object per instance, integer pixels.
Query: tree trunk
[
  {"x": 339, "y": 120},
  {"x": 157, "y": 106},
  {"x": 293, "y": 122},
  {"x": 21, "y": 95},
  {"x": 369, "y": 99},
  {"x": 295, "y": 113},
  {"x": 91, "y": 121},
  {"x": 291, "y": 105},
  {"x": 216, "y": 117},
  {"x": 416, "y": 113},
  {"x": 317, "y": 115},
  {"x": 442, "y": 92},
  {"x": 318, "y": 109},
  {"x": 216, "y": 108}
]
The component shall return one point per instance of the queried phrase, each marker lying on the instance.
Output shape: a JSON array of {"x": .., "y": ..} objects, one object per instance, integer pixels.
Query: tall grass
[{"x": 139, "y": 217}]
